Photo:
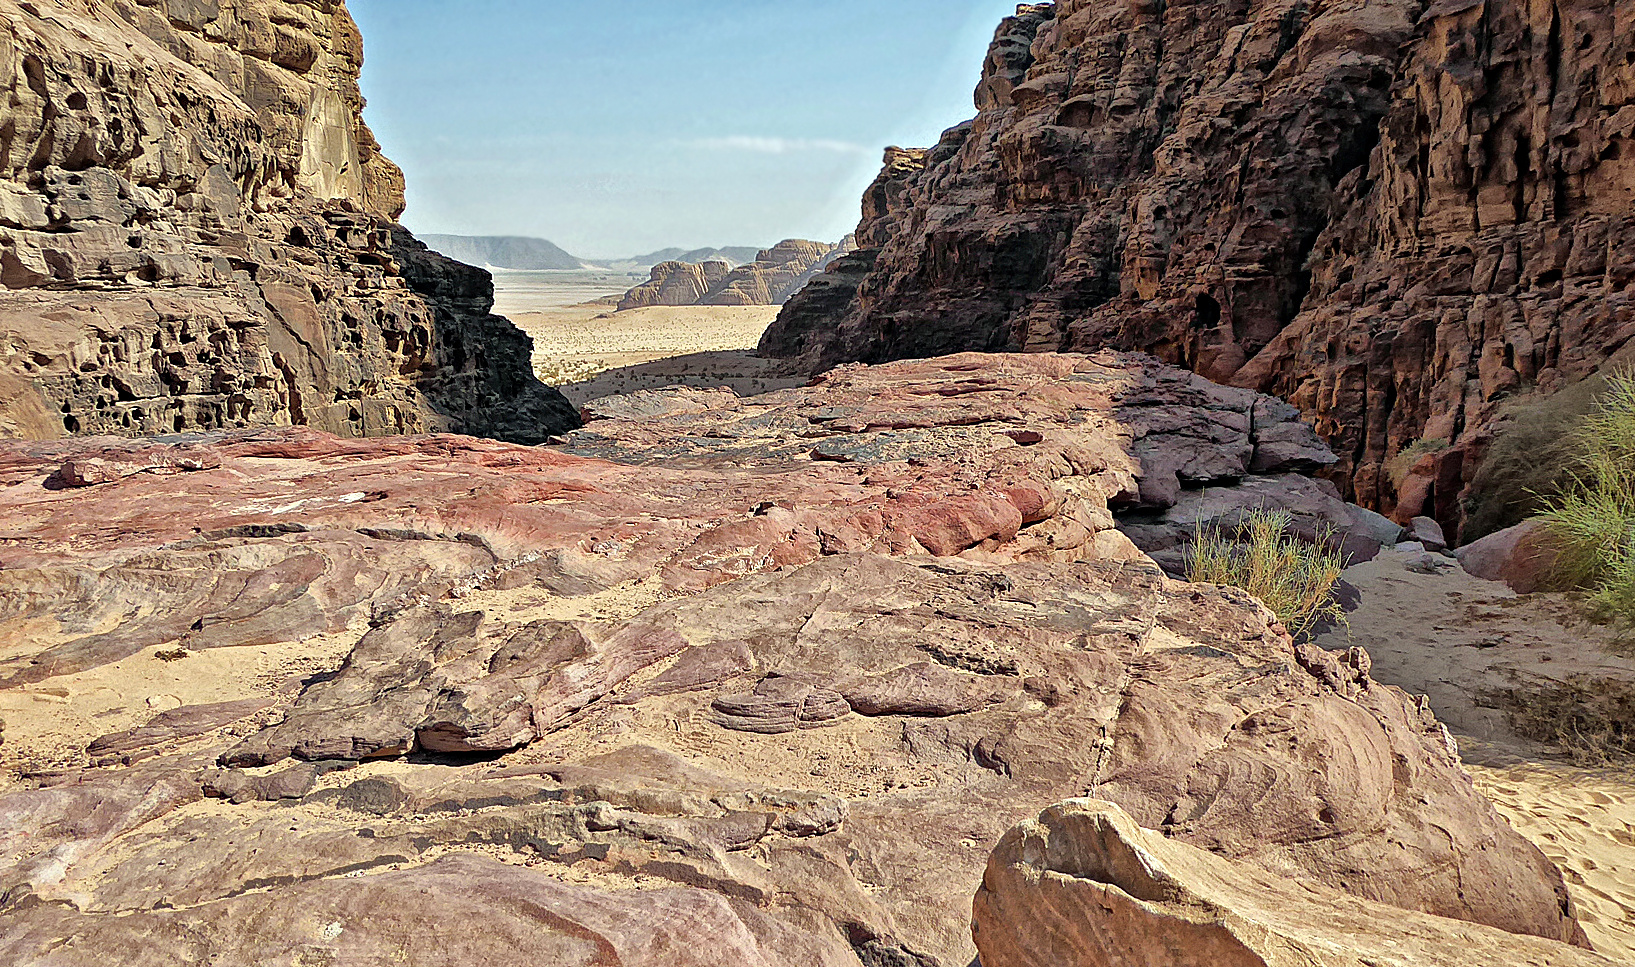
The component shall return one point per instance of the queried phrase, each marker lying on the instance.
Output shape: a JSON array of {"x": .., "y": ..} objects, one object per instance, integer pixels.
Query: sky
[{"x": 619, "y": 128}]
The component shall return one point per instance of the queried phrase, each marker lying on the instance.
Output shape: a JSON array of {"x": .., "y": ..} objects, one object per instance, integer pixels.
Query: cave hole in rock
[{"x": 1206, "y": 313}]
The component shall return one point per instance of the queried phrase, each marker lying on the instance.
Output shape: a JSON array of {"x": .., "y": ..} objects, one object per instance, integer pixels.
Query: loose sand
[
  {"x": 590, "y": 351},
  {"x": 1496, "y": 667}
]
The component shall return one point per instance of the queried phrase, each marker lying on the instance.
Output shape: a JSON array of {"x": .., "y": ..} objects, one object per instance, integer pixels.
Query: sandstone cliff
[
  {"x": 196, "y": 232},
  {"x": 1396, "y": 215},
  {"x": 776, "y": 274}
]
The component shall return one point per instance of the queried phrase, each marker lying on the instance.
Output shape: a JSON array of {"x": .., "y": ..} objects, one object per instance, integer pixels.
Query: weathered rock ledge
[{"x": 1398, "y": 216}]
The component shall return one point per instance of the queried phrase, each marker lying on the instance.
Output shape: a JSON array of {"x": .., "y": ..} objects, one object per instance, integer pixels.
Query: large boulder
[{"x": 1084, "y": 886}]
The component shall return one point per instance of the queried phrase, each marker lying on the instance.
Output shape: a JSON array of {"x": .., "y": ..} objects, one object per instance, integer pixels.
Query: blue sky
[{"x": 619, "y": 128}]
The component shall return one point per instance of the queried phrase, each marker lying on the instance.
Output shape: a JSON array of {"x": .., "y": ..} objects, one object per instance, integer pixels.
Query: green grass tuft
[
  {"x": 1592, "y": 521},
  {"x": 1397, "y": 467},
  {"x": 1293, "y": 578}
]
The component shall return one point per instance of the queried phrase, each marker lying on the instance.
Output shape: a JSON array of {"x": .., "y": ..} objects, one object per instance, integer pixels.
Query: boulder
[
  {"x": 1084, "y": 886},
  {"x": 1427, "y": 533},
  {"x": 1519, "y": 556}
]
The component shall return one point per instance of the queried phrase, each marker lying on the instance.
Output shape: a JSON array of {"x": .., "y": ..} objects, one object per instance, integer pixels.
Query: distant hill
[
  {"x": 733, "y": 255},
  {"x": 505, "y": 252}
]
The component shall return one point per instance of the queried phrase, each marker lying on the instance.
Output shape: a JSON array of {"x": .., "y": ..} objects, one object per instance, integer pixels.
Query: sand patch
[
  {"x": 589, "y": 352},
  {"x": 1584, "y": 821},
  {"x": 49, "y": 724}
]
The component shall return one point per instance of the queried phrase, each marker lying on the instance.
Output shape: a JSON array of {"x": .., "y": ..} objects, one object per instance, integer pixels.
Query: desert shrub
[
  {"x": 1533, "y": 459},
  {"x": 1397, "y": 467},
  {"x": 1292, "y": 577},
  {"x": 1591, "y": 522}
]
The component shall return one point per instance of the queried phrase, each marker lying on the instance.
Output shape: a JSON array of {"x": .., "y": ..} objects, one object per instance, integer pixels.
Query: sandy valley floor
[{"x": 590, "y": 351}]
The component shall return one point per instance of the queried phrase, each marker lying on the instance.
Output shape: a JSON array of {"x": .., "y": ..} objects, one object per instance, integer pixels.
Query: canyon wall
[
  {"x": 1399, "y": 216},
  {"x": 196, "y": 232}
]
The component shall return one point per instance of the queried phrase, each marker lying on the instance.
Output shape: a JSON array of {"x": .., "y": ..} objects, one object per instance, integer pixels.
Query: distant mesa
[
  {"x": 506, "y": 252},
  {"x": 732, "y": 255},
  {"x": 775, "y": 274}
]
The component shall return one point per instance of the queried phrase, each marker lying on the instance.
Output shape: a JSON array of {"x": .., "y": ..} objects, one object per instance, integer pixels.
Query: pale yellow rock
[{"x": 1084, "y": 886}]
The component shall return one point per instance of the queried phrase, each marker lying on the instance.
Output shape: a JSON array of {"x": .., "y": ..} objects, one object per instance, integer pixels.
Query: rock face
[
  {"x": 775, "y": 673},
  {"x": 776, "y": 274},
  {"x": 1084, "y": 886},
  {"x": 1355, "y": 206},
  {"x": 676, "y": 284},
  {"x": 196, "y": 233}
]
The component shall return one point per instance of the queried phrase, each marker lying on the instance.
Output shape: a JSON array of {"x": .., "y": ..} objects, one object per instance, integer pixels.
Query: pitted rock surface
[
  {"x": 1396, "y": 215},
  {"x": 196, "y": 232}
]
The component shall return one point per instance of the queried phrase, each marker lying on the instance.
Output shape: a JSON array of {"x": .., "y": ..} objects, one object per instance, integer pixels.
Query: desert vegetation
[
  {"x": 1534, "y": 458},
  {"x": 1293, "y": 577},
  {"x": 1592, "y": 519}
]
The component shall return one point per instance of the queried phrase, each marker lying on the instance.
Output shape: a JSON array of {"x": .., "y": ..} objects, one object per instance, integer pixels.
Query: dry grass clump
[
  {"x": 1293, "y": 578},
  {"x": 1592, "y": 720},
  {"x": 1592, "y": 521},
  {"x": 1532, "y": 460}
]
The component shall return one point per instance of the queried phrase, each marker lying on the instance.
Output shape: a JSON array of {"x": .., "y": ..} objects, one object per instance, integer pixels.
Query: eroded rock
[{"x": 1084, "y": 886}]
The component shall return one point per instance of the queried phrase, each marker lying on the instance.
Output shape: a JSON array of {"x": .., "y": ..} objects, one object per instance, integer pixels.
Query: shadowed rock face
[
  {"x": 196, "y": 233},
  {"x": 787, "y": 666},
  {"x": 1395, "y": 215}
]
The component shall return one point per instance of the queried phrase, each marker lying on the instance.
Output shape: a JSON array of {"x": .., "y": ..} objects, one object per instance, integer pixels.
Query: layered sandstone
[
  {"x": 1398, "y": 216},
  {"x": 776, "y": 274},
  {"x": 196, "y": 232},
  {"x": 763, "y": 679},
  {"x": 1084, "y": 886}
]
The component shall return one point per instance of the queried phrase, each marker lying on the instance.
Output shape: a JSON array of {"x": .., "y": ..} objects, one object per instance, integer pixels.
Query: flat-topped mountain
[
  {"x": 1400, "y": 217},
  {"x": 776, "y": 274},
  {"x": 197, "y": 232},
  {"x": 505, "y": 252}
]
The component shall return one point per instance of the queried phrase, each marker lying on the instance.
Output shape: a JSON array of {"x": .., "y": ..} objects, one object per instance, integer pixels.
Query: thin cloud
[{"x": 759, "y": 145}]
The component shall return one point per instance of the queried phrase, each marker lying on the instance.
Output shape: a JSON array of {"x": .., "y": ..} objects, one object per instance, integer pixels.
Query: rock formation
[
  {"x": 1084, "y": 886},
  {"x": 776, "y": 274},
  {"x": 1397, "y": 216},
  {"x": 196, "y": 233},
  {"x": 788, "y": 666},
  {"x": 676, "y": 284}
]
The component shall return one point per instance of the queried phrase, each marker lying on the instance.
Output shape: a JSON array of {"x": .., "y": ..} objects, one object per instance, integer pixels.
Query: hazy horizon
[{"x": 678, "y": 124}]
